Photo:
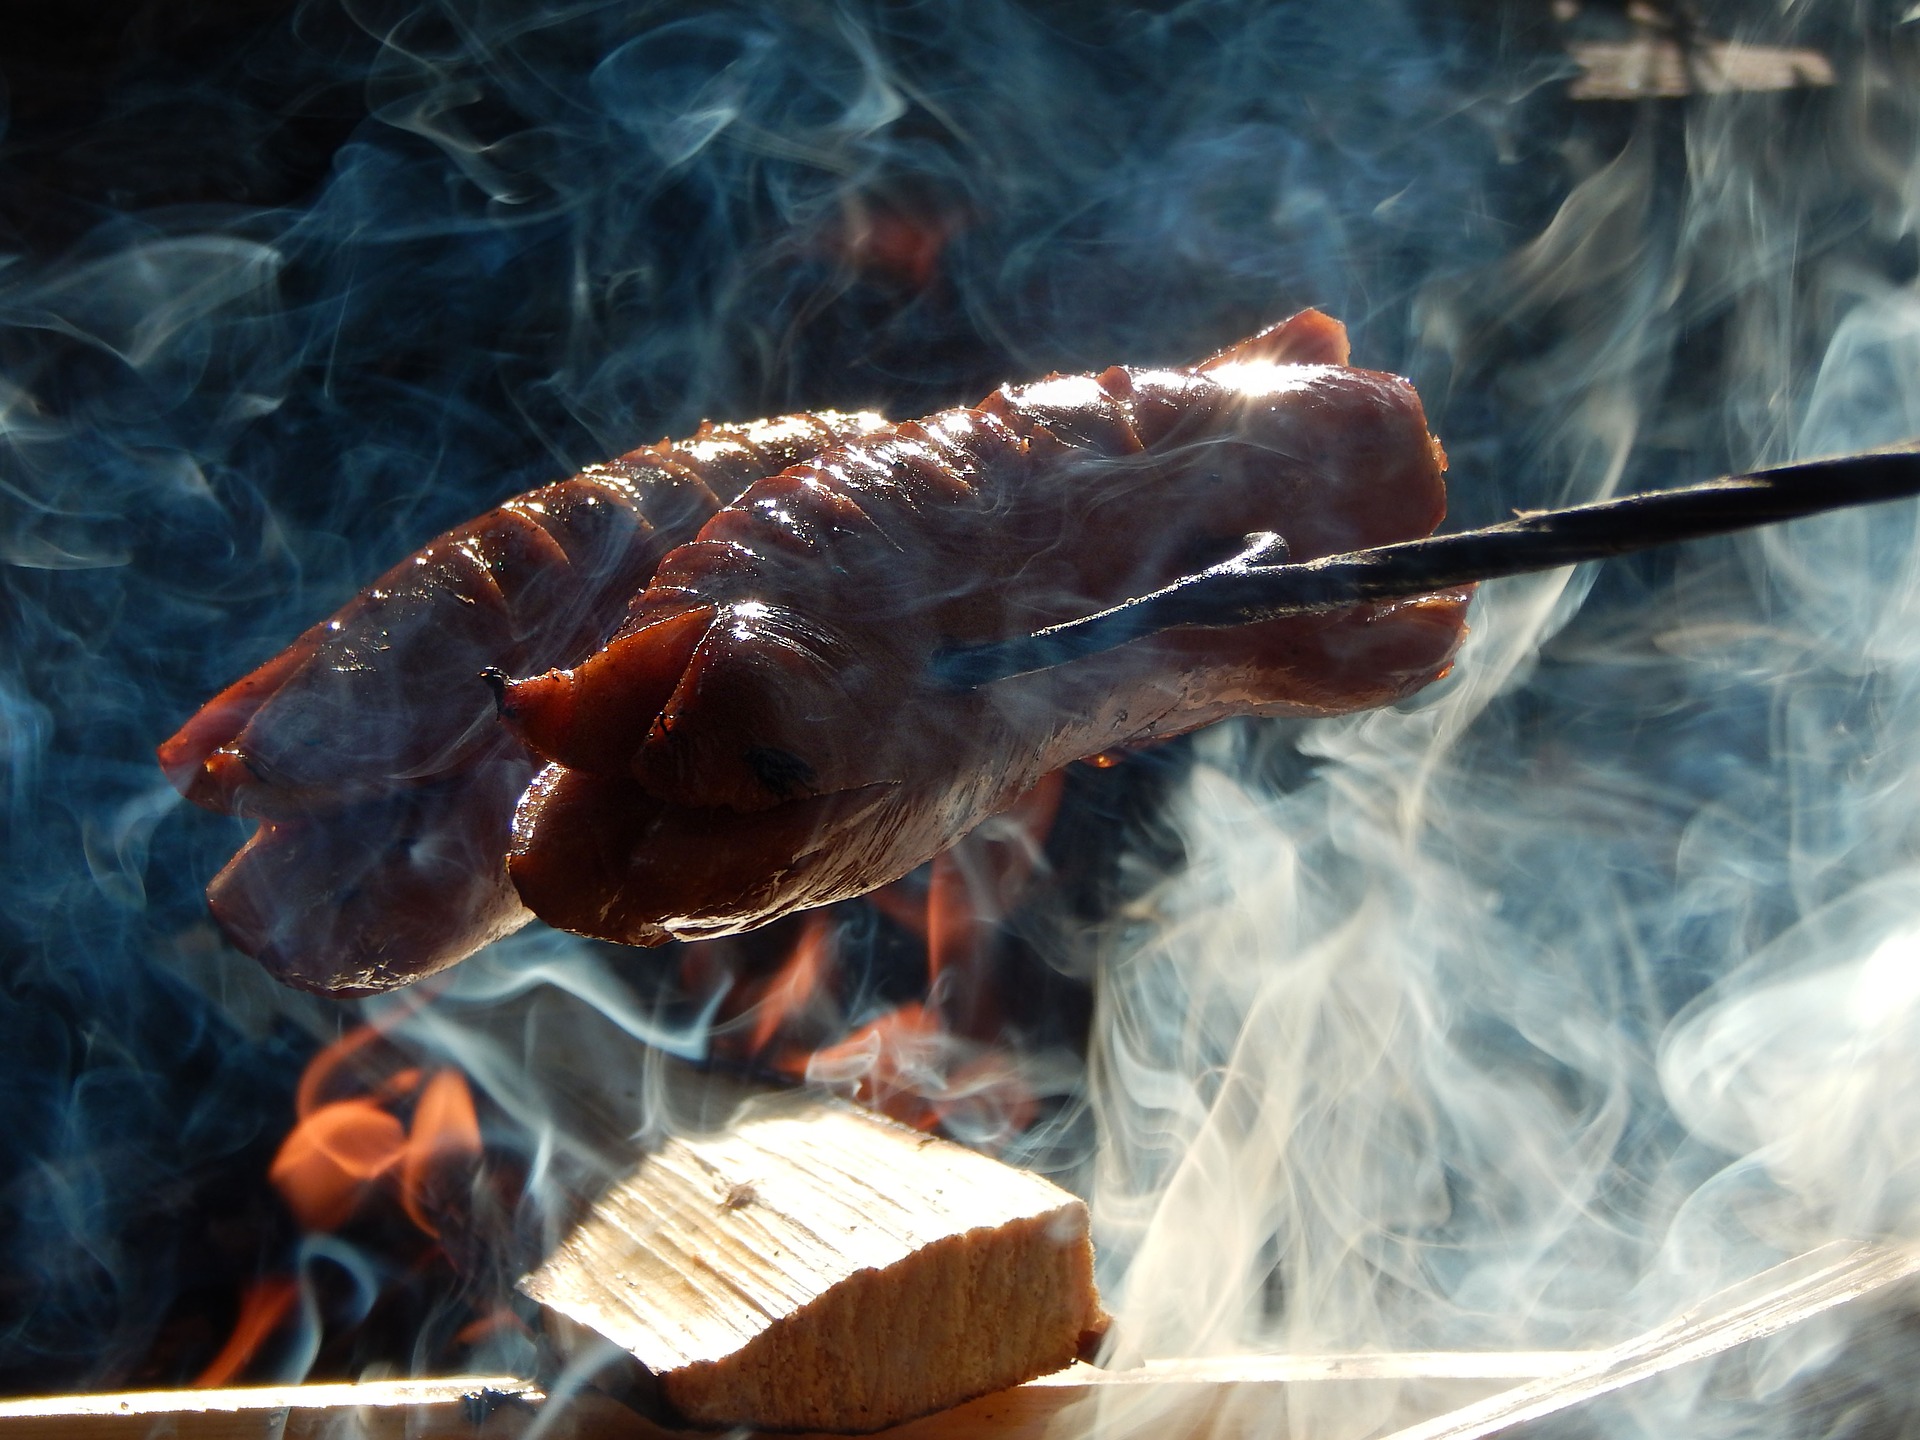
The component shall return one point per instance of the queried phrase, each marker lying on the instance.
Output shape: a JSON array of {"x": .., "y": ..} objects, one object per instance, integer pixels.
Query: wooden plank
[
  {"x": 1223, "y": 1400},
  {"x": 1200, "y": 1392},
  {"x": 1219, "y": 1399},
  {"x": 1765, "y": 1305},
  {"x": 813, "y": 1266},
  {"x": 1656, "y": 67},
  {"x": 1239, "y": 1398},
  {"x": 488, "y": 1407}
]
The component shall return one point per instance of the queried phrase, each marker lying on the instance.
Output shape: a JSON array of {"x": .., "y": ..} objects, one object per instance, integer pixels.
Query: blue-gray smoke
[{"x": 286, "y": 290}]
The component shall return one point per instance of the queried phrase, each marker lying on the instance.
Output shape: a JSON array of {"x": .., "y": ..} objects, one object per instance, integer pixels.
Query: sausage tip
[{"x": 598, "y": 715}]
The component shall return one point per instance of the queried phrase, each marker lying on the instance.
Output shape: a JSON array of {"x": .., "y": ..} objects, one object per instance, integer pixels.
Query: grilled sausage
[
  {"x": 762, "y": 735},
  {"x": 369, "y": 746}
]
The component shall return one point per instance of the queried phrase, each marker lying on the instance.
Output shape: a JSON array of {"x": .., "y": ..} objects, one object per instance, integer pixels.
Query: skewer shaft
[{"x": 1244, "y": 591}]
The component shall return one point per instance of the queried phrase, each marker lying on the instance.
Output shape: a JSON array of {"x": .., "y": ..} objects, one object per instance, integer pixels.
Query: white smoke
[{"x": 1588, "y": 982}]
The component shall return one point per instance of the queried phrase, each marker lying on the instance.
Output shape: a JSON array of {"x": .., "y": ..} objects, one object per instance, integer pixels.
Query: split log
[
  {"x": 470, "y": 1407},
  {"x": 814, "y": 1267}
]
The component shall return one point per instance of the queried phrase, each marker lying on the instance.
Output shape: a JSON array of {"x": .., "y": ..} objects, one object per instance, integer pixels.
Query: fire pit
[{"x": 1472, "y": 1037}]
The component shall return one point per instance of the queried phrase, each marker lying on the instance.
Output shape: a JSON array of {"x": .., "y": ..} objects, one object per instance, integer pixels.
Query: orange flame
[
  {"x": 797, "y": 981},
  {"x": 902, "y": 906},
  {"x": 441, "y": 1148},
  {"x": 987, "y": 1097},
  {"x": 912, "y": 1062},
  {"x": 1007, "y": 845},
  {"x": 971, "y": 889},
  {"x": 498, "y": 1320},
  {"x": 263, "y": 1307},
  {"x": 334, "y": 1066},
  {"x": 333, "y": 1158},
  {"x": 888, "y": 1062},
  {"x": 344, "y": 1148},
  {"x": 903, "y": 245},
  {"x": 347, "y": 1147},
  {"x": 954, "y": 924},
  {"x": 909, "y": 1066}
]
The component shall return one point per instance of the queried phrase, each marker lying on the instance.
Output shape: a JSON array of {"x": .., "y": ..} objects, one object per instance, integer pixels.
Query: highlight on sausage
[
  {"x": 762, "y": 734},
  {"x": 368, "y": 748}
]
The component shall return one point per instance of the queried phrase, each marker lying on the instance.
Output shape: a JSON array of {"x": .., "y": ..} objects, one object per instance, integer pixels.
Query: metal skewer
[{"x": 1253, "y": 587}]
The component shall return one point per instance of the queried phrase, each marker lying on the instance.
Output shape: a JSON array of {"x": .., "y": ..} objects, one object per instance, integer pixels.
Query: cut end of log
[
  {"x": 960, "y": 1318},
  {"x": 814, "y": 1267}
]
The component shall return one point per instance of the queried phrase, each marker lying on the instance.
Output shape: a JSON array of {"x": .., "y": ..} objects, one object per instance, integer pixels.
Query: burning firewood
[{"x": 811, "y": 1266}]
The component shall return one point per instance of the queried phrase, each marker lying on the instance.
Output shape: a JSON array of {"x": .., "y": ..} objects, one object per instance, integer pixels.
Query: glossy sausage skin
[
  {"x": 762, "y": 736},
  {"x": 382, "y": 691},
  {"x": 369, "y": 747}
]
